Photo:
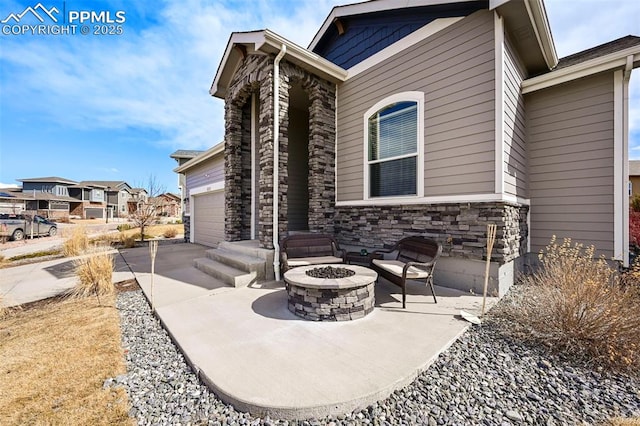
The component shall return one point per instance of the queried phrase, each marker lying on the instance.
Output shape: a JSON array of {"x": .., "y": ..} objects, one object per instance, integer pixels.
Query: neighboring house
[
  {"x": 634, "y": 177},
  {"x": 138, "y": 196},
  {"x": 57, "y": 197},
  {"x": 12, "y": 201},
  {"x": 204, "y": 218},
  {"x": 90, "y": 201},
  {"x": 182, "y": 156},
  {"x": 47, "y": 196},
  {"x": 168, "y": 204},
  {"x": 425, "y": 117},
  {"x": 118, "y": 194}
]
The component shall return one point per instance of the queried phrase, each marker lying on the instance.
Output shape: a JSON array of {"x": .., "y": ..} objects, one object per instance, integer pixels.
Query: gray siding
[
  {"x": 455, "y": 70},
  {"x": 515, "y": 155},
  {"x": 570, "y": 148},
  {"x": 207, "y": 172}
]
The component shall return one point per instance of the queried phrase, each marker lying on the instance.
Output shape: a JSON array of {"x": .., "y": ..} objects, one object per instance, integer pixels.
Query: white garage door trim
[{"x": 198, "y": 191}]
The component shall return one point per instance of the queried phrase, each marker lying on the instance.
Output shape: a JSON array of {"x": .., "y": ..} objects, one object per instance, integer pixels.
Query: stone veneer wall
[
  {"x": 331, "y": 304},
  {"x": 186, "y": 223},
  {"x": 255, "y": 75},
  {"x": 460, "y": 228},
  {"x": 322, "y": 133}
]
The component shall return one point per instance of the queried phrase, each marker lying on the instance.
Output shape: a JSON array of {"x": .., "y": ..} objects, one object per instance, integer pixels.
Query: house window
[{"x": 394, "y": 145}]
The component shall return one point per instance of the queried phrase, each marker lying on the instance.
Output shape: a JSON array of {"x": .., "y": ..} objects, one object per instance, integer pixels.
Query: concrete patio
[{"x": 261, "y": 358}]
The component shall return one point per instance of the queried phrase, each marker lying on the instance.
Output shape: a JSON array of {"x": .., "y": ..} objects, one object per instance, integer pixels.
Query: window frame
[{"x": 413, "y": 96}]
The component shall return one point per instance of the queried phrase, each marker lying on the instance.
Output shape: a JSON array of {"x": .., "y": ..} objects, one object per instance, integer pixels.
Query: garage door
[
  {"x": 208, "y": 218},
  {"x": 94, "y": 213}
]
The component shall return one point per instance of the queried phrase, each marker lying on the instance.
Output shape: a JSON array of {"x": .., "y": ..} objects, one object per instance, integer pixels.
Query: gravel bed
[{"x": 481, "y": 379}]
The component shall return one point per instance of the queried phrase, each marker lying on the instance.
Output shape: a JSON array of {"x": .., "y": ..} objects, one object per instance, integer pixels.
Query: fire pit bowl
[{"x": 330, "y": 292}]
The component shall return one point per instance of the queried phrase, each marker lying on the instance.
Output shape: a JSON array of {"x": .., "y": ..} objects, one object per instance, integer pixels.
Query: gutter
[
  {"x": 582, "y": 69},
  {"x": 625, "y": 160},
  {"x": 276, "y": 158}
]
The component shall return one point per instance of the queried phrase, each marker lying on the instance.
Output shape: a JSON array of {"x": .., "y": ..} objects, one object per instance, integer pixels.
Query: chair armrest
[
  {"x": 338, "y": 252},
  {"x": 427, "y": 267},
  {"x": 422, "y": 264}
]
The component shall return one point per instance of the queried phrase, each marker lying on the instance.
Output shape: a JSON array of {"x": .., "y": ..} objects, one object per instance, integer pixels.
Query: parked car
[{"x": 18, "y": 226}]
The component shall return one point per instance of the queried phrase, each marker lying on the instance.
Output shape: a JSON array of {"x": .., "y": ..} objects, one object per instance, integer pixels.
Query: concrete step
[
  {"x": 239, "y": 261},
  {"x": 251, "y": 248},
  {"x": 248, "y": 247},
  {"x": 225, "y": 273}
]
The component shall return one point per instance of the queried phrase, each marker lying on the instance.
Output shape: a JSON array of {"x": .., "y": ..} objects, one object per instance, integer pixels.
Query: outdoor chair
[
  {"x": 415, "y": 260},
  {"x": 310, "y": 249}
]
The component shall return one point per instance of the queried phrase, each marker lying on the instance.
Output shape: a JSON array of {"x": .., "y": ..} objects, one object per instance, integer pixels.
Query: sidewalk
[{"x": 41, "y": 280}]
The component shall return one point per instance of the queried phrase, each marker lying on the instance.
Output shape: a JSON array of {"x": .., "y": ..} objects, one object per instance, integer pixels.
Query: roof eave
[
  {"x": 583, "y": 69},
  {"x": 200, "y": 158},
  {"x": 267, "y": 41},
  {"x": 540, "y": 22}
]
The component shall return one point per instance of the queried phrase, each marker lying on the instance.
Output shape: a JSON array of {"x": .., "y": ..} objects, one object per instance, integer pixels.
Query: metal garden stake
[{"x": 153, "y": 250}]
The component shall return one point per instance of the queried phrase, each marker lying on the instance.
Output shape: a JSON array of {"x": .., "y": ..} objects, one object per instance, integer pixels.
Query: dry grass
[
  {"x": 128, "y": 241},
  {"x": 95, "y": 275},
  {"x": 619, "y": 421},
  {"x": 170, "y": 233},
  {"x": 55, "y": 359},
  {"x": 76, "y": 243},
  {"x": 574, "y": 304},
  {"x": 153, "y": 231}
]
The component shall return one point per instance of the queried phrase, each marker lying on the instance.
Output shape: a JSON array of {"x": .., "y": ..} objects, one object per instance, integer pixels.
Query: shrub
[
  {"x": 634, "y": 203},
  {"x": 124, "y": 227},
  {"x": 95, "y": 273},
  {"x": 128, "y": 241},
  {"x": 170, "y": 233},
  {"x": 77, "y": 243},
  {"x": 574, "y": 303},
  {"x": 634, "y": 227}
]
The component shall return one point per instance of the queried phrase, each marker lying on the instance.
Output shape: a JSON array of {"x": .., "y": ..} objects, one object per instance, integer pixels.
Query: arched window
[{"x": 394, "y": 144}]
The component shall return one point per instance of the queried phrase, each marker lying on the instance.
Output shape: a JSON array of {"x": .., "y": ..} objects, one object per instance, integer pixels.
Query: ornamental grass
[
  {"x": 95, "y": 275},
  {"x": 578, "y": 305},
  {"x": 77, "y": 243}
]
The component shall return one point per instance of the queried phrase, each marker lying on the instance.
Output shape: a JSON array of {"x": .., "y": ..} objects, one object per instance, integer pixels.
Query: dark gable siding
[{"x": 367, "y": 34}]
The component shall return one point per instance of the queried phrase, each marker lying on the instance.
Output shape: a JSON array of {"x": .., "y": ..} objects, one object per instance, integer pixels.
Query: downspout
[
  {"x": 276, "y": 159},
  {"x": 625, "y": 162}
]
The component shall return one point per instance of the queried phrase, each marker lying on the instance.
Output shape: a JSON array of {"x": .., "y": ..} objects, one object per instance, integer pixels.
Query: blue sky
[{"x": 114, "y": 107}]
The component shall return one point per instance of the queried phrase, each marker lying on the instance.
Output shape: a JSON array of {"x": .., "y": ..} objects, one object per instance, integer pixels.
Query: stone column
[{"x": 322, "y": 160}]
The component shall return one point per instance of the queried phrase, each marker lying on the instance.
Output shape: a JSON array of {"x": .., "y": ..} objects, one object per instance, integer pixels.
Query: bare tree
[{"x": 147, "y": 205}]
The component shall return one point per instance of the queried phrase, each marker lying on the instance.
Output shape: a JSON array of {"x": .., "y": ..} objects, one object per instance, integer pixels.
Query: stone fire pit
[{"x": 314, "y": 294}]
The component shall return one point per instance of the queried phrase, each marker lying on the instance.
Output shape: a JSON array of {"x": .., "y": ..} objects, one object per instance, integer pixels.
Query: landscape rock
[{"x": 482, "y": 379}]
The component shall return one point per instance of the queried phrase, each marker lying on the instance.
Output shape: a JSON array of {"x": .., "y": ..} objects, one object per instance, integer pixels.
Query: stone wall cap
[{"x": 298, "y": 277}]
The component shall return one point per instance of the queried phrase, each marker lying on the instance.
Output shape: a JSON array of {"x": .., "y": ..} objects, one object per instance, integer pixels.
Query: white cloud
[
  {"x": 9, "y": 186},
  {"x": 155, "y": 79}
]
